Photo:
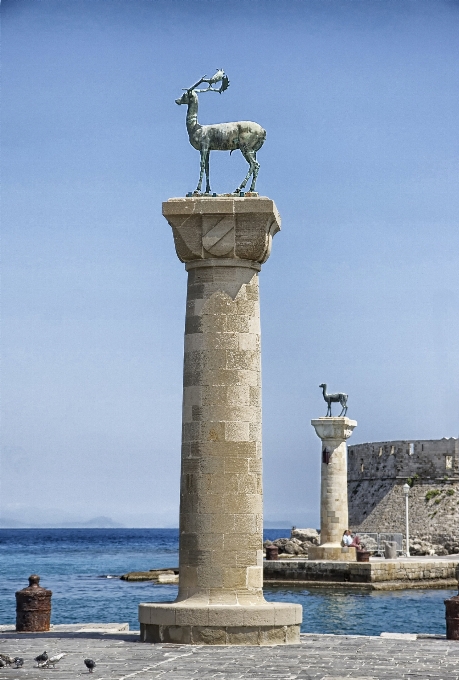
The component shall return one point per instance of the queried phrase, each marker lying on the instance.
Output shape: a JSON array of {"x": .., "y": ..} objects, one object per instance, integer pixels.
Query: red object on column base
[{"x": 363, "y": 555}]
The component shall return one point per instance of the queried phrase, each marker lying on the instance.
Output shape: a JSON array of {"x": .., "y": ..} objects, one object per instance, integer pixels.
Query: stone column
[
  {"x": 223, "y": 242},
  {"x": 333, "y": 492}
]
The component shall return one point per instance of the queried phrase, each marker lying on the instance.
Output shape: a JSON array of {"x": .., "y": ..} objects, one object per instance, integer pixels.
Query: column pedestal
[
  {"x": 333, "y": 492},
  {"x": 223, "y": 242}
]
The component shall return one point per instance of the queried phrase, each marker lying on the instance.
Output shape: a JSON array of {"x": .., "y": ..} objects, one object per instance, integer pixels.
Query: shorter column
[{"x": 333, "y": 492}]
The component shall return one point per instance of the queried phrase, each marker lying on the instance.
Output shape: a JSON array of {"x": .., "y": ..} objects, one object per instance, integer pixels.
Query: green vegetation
[
  {"x": 450, "y": 492},
  {"x": 432, "y": 493}
]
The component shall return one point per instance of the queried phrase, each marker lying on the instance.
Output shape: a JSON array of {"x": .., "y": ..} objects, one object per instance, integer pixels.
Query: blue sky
[{"x": 360, "y": 101}]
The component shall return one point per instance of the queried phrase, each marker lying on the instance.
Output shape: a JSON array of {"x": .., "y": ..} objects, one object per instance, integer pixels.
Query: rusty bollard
[
  {"x": 452, "y": 618},
  {"x": 452, "y": 615},
  {"x": 272, "y": 552},
  {"x": 33, "y": 607}
]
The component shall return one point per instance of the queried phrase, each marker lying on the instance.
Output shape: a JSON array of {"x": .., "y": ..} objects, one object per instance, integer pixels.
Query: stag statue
[
  {"x": 332, "y": 398},
  {"x": 244, "y": 135}
]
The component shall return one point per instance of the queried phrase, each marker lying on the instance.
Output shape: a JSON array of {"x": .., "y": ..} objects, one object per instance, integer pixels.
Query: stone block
[
  {"x": 226, "y": 616},
  {"x": 242, "y": 635},
  {"x": 187, "y": 615}
]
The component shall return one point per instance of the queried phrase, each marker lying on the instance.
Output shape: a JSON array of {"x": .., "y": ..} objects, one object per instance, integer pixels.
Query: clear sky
[{"x": 360, "y": 100}]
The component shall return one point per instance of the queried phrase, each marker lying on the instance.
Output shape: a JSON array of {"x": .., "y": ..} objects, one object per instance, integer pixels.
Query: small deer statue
[
  {"x": 244, "y": 135},
  {"x": 332, "y": 398}
]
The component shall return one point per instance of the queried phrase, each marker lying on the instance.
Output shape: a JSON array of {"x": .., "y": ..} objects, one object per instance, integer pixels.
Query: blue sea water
[{"x": 76, "y": 563}]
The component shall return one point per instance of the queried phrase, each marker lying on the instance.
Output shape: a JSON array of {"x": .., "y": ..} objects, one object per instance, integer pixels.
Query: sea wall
[{"x": 390, "y": 574}]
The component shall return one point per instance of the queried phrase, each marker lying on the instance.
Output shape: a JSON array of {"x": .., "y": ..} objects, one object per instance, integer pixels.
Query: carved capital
[
  {"x": 222, "y": 227},
  {"x": 336, "y": 429}
]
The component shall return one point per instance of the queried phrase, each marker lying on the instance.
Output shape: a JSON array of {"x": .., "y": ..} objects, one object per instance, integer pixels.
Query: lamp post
[{"x": 406, "y": 491}]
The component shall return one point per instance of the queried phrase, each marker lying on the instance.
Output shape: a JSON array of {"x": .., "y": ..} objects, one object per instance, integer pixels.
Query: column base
[
  {"x": 332, "y": 553},
  {"x": 273, "y": 623}
]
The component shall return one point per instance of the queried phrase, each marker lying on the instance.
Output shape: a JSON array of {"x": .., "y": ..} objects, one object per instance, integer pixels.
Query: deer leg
[
  {"x": 246, "y": 155},
  {"x": 255, "y": 171},
  {"x": 201, "y": 174},
  {"x": 207, "y": 173}
]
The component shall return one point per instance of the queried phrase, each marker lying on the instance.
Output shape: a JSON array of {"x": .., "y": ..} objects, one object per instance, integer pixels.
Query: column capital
[
  {"x": 337, "y": 429},
  {"x": 226, "y": 227}
]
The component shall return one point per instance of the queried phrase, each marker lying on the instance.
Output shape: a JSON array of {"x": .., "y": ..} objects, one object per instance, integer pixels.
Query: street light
[{"x": 406, "y": 491}]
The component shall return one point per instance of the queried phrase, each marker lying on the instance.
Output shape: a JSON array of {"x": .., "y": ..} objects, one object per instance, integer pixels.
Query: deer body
[
  {"x": 338, "y": 397},
  {"x": 245, "y": 135}
]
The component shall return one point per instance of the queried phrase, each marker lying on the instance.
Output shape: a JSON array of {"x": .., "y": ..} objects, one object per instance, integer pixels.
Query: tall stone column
[
  {"x": 223, "y": 242},
  {"x": 333, "y": 433}
]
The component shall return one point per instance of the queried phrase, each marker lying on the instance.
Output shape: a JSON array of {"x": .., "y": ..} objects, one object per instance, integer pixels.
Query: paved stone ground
[{"x": 120, "y": 656}]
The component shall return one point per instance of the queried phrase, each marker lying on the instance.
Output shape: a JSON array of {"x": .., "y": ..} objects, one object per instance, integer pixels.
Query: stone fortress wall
[{"x": 377, "y": 472}]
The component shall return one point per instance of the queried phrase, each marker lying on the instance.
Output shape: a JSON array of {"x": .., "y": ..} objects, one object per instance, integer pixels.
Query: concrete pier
[
  {"x": 223, "y": 242},
  {"x": 333, "y": 433}
]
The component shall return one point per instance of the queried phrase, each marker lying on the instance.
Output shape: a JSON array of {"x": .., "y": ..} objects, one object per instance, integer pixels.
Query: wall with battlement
[{"x": 377, "y": 472}]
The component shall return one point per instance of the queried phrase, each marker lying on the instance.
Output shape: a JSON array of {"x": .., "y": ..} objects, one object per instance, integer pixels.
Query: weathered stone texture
[
  {"x": 223, "y": 243},
  {"x": 376, "y": 474}
]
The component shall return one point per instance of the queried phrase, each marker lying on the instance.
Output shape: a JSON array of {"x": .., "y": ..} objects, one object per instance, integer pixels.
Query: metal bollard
[
  {"x": 33, "y": 607},
  {"x": 272, "y": 552},
  {"x": 452, "y": 618}
]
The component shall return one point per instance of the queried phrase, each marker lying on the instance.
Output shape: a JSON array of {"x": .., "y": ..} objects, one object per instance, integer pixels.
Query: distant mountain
[{"x": 94, "y": 523}]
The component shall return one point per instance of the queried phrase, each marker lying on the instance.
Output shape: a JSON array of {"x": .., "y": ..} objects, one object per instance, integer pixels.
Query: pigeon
[
  {"x": 18, "y": 661},
  {"x": 53, "y": 660},
  {"x": 41, "y": 658},
  {"x": 90, "y": 664},
  {"x": 8, "y": 660}
]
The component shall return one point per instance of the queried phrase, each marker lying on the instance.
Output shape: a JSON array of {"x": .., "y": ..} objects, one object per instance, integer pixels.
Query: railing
[{"x": 375, "y": 542}]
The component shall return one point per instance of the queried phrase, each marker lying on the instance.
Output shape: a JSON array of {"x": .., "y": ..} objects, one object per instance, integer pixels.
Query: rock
[
  {"x": 168, "y": 578},
  {"x": 291, "y": 548},
  {"x": 296, "y": 541},
  {"x": 308, "y": 535},
  {"x": 152, "y": 575}
]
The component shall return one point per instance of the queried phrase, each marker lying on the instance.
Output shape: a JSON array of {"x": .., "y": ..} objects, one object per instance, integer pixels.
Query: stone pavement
[{"x": 120, "y": 656}]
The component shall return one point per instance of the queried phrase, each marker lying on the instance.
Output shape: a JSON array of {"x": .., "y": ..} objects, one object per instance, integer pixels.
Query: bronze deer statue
[
  {"x": 332, "y": 398},
  {"x": 245, "y": 135}
]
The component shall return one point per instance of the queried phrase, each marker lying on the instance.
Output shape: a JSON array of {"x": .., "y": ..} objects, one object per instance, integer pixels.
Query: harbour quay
[
  {"x": 377, "y": 574},
  {"x": 119, "y": 656}
]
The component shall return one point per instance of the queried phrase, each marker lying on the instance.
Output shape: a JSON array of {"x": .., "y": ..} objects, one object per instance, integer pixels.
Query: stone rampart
[{"x": 376, "y": 474}]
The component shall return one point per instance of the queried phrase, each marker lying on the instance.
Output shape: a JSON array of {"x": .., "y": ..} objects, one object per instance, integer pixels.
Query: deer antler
[
  {"x": 219, "y": 76},
  {"x": 203, "y": 80}
]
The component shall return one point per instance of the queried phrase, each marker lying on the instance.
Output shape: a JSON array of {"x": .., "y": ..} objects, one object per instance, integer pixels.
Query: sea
[{"x": 82, "y": 568}]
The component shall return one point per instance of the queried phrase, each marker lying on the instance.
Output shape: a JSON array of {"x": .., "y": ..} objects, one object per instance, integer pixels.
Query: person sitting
[
  {"x": 347, "y": 538},
  {"x": 351, "y": 542}
]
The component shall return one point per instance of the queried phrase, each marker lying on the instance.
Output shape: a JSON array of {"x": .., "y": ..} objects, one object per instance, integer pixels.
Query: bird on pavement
[
  {"x": 53, "y": 660},
  {"x": 41, "y": 658},
  {"x": 90, "y": 664},
  {"x": 18, "y": 661},
  {"x": 7, "y": 659}
]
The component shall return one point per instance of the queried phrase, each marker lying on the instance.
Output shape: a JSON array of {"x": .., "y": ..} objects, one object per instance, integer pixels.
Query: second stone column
[{"x": 334, "y": 516}]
